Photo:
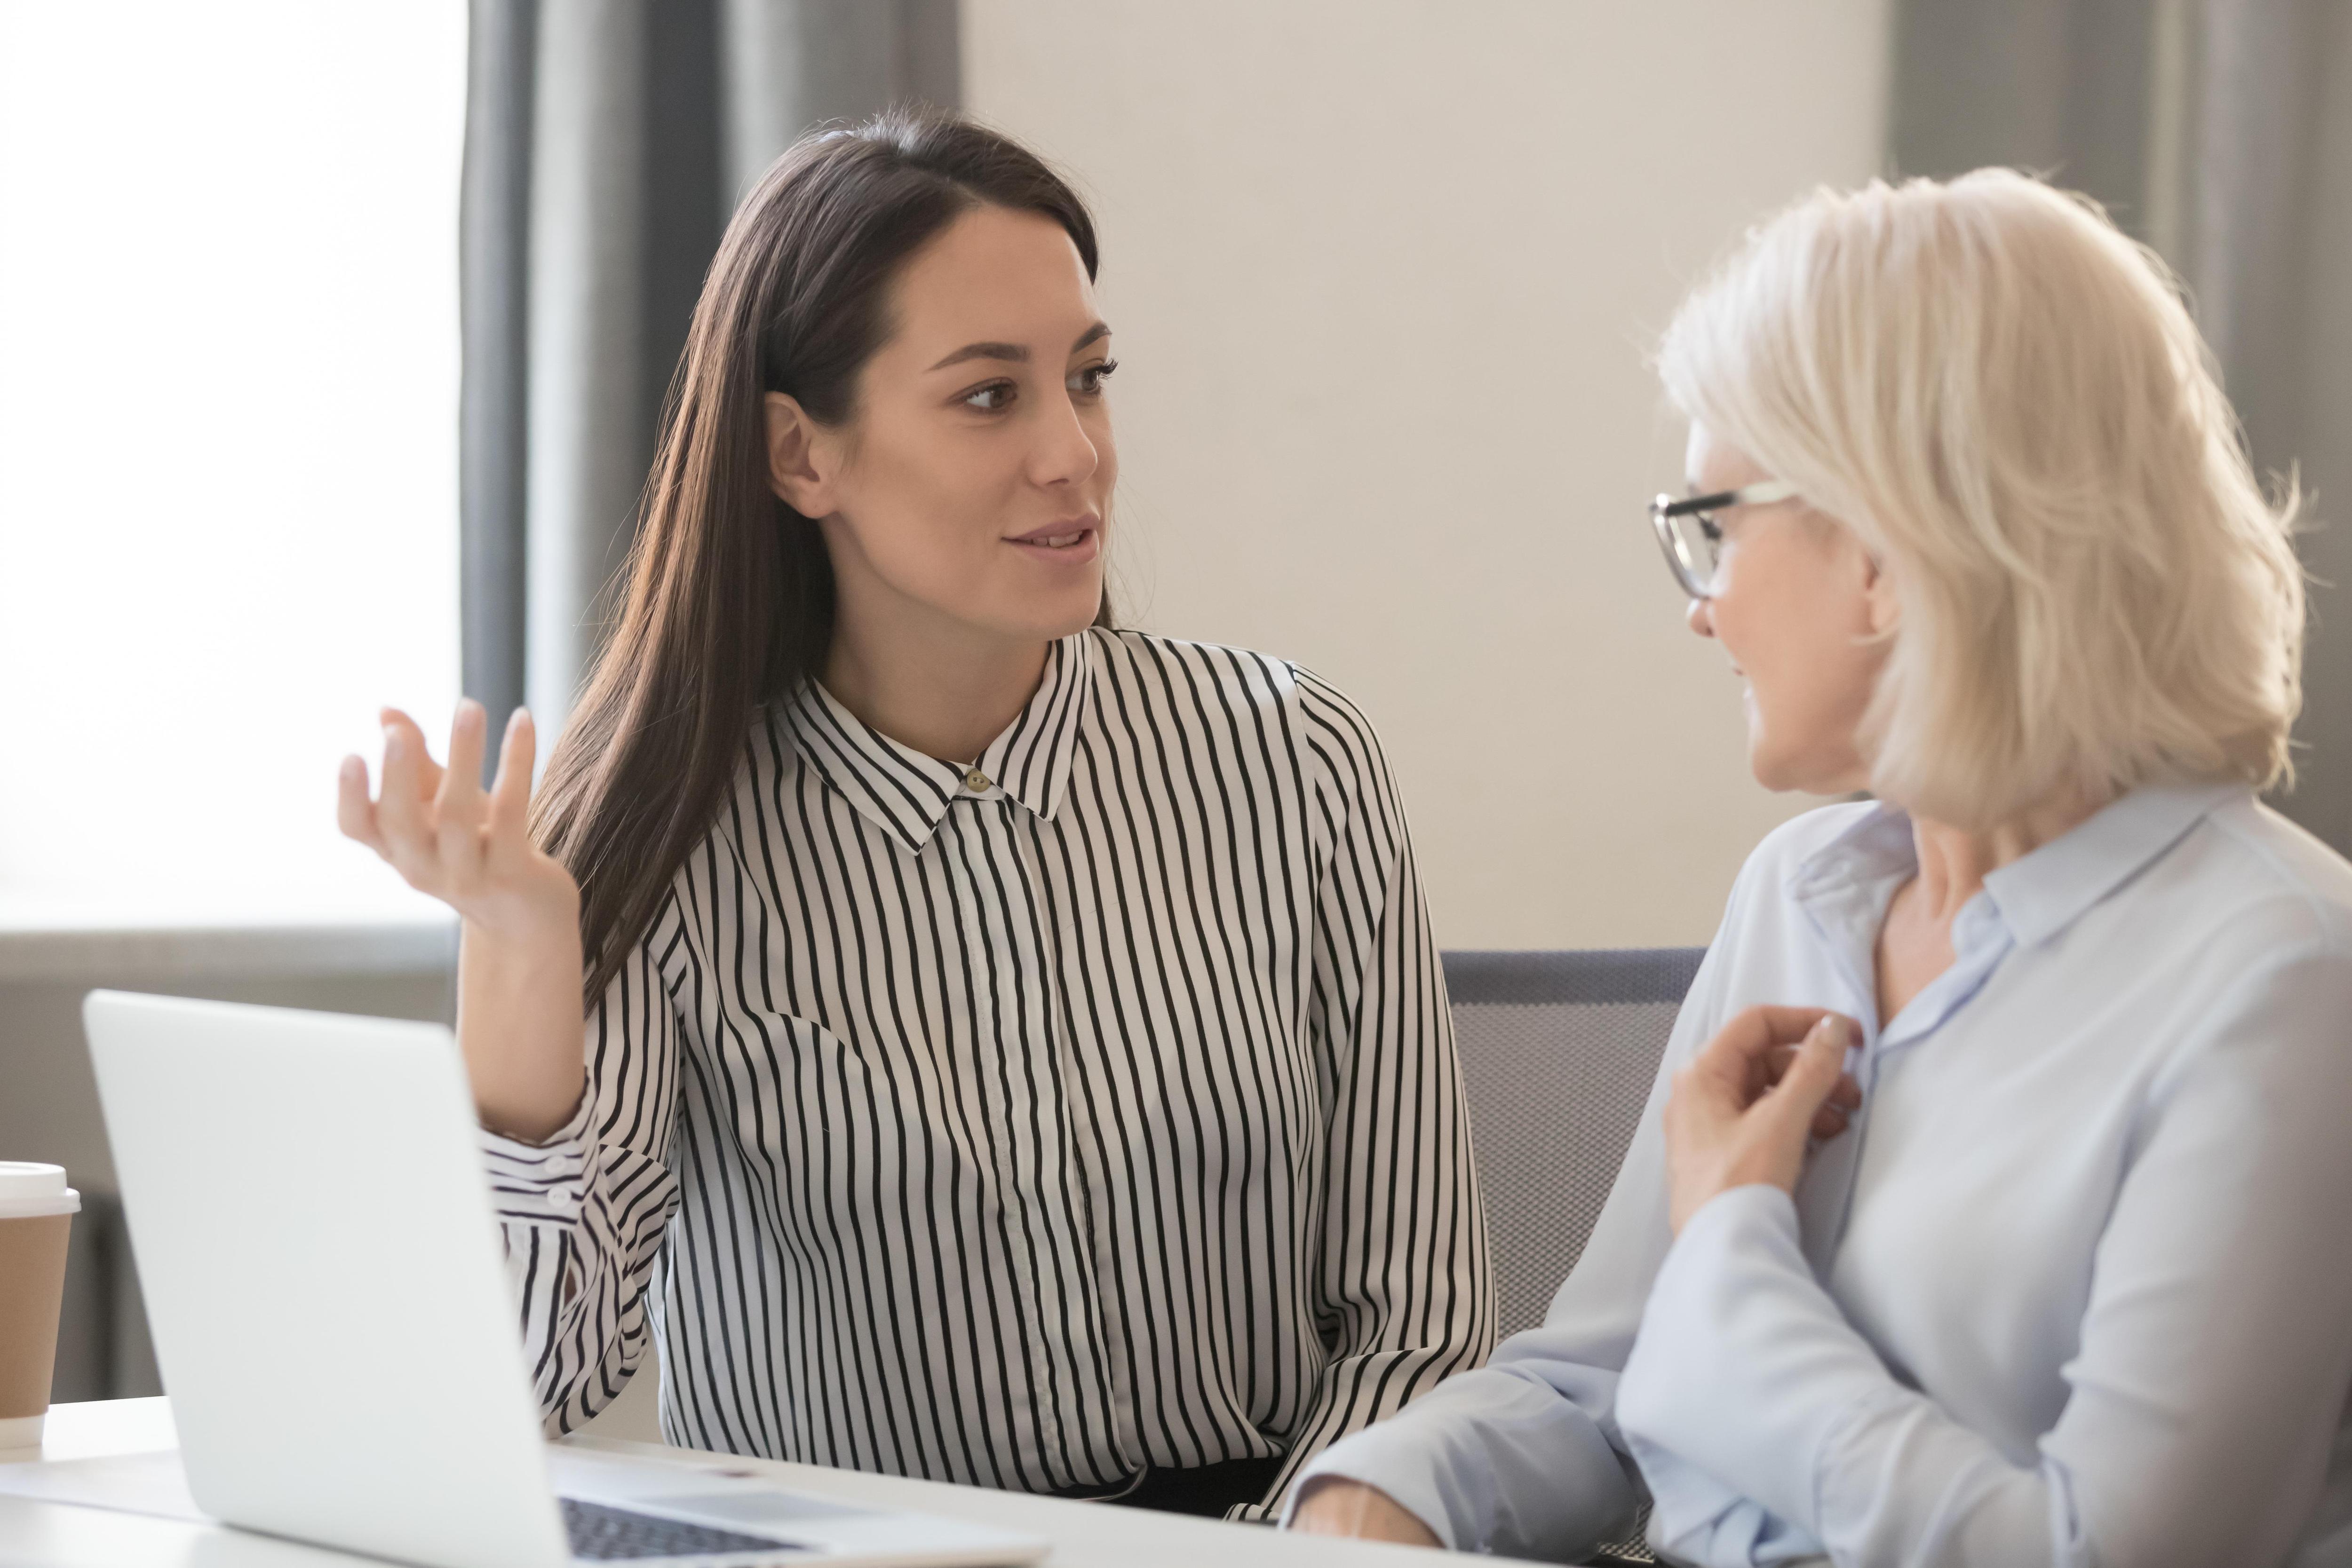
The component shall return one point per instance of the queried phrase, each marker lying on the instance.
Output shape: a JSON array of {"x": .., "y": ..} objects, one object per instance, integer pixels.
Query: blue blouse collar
[{"x": 2042, "y": 894}]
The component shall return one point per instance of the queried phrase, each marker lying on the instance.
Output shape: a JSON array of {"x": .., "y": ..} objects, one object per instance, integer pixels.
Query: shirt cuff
[
  {"x": 1495, "y": 1460},
  {"x": 540, "y": 1183},
  {"x": 1743, "y": 1369},
  {"x": 1391, "y": 1458}
]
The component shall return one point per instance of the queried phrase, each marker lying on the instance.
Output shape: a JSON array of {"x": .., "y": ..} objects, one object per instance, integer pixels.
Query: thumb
[{"x": 1819, "y": 1063}]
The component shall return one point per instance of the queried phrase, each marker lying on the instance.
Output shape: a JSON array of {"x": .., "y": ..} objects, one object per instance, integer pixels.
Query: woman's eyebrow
[{"x": 1015, "y": 352}]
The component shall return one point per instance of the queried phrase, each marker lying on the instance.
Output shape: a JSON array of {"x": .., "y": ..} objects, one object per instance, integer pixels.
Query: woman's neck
[
  {"x": 946, "y": 690},
  {"x": 1914, "y": 944},
  {"x": 1955, "y": 862}
]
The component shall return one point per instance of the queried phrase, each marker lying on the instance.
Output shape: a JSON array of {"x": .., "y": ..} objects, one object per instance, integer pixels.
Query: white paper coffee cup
[
  {"x": 28, "y": 1190},
  {"x": 37, "y": 1210}
]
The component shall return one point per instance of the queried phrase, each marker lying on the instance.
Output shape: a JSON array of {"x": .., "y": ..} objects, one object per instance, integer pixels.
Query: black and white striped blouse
[{"x": 1091, "y": 1107}]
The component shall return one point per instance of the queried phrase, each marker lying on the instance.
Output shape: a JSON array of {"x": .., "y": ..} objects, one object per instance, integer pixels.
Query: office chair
[
  {"x": 1558, "y": 1054},
  {"x": 1558, "y": 1050}
]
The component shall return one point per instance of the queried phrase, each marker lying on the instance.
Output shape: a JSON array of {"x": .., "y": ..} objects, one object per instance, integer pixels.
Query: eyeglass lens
[{"x": 1699, "y": 544}]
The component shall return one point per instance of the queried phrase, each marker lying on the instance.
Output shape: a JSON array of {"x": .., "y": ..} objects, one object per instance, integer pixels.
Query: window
[{"x": 228, "y": 431}]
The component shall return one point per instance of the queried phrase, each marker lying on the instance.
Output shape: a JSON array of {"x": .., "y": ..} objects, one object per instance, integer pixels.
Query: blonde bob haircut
[{"x": 2005, "y": 401}]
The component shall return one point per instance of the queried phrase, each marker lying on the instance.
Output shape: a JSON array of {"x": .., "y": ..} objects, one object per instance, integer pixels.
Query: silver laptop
[{"x": 323, "y": 1276}]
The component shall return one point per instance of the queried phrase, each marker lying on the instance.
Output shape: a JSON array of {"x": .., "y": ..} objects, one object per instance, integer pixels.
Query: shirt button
[{"x": 976, "y": 781}]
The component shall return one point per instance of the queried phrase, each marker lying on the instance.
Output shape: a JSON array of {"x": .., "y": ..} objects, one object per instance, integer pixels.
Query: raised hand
[
  {"x": 519, "y": 1012},
  {"x": 447, "y": 837}
]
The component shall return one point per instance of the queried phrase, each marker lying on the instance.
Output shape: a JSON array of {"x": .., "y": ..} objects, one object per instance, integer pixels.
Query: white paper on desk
[{"x": 127, "y": 1483}]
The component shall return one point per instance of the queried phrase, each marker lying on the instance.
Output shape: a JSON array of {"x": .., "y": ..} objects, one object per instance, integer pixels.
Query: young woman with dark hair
[{"x": 1015, "y": 1051}]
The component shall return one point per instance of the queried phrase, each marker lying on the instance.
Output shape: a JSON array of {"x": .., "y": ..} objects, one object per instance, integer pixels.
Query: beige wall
[{"x": 1383, "y": 274}]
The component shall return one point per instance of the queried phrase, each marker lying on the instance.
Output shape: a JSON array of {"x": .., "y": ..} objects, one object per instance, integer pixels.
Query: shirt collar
[
  {"x": 1031, "y": 760},
  {"x": 2038, "y": 895},
  {"x": 908, "y": 794},
  {"x": 2047, "y": 890}
]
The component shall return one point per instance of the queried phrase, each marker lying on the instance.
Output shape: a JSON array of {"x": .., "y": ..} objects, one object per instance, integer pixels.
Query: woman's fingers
[
  {"x": 1757, "y": 1032},
  {"x": 354, "y": 811},
  {"x": 457, "y": 803},
  {"x": 1726, "y": 1127},
  {"x": 510, "y": 790},
  {"x": 1844, "y": 1098},
  {"x": 405, "y": 811},
  {"x": 1804, "y": 1089},
  {"x": 1736, "y": 1060},
  {"x": 428, "y": 772},
  {"x": 400, "y": 812}
]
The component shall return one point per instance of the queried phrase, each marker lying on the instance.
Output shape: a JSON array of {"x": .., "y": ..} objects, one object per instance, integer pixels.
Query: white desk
[{"x": 1085, "y": 1535}]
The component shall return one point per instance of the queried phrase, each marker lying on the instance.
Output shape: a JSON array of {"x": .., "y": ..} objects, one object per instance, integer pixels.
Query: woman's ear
[
  {"x": 801, "y": 459},
  {"x": 1878, "y": 587}
]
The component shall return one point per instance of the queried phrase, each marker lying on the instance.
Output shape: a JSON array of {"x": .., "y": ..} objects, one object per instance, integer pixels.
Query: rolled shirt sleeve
[
  {"x": 583, "y": 1215},
  {"x": 545, "y": 1182}
]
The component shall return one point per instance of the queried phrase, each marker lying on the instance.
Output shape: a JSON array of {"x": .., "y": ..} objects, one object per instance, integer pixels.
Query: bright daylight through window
[{"x": 228, "y": 429}]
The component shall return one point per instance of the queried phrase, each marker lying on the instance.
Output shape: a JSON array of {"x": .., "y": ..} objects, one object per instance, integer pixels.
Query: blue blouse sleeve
[
  {"x": 2209, "y": 1375},
  {"x": 1522, "y": 1458}
]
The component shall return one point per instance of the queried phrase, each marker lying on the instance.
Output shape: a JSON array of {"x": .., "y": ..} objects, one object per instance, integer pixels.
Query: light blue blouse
[{"x": 2076, "y": 1288}]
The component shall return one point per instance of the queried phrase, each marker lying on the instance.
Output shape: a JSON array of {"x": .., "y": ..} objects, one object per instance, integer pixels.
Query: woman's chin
[
  {"x": 1026, "y": 611},
  {"x": 1064, "y": 616},
  {"x": 1075, "y": 609},
  {"x": 1785, "y": 771},
  {"x": 1782, "y": 769},
  {"x": 1765, "y": 759}
]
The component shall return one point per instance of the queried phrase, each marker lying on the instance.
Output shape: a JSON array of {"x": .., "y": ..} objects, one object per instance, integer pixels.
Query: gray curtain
[
  {"x": 606, "y": 141},
  {"x": 2220, "y": 131}
]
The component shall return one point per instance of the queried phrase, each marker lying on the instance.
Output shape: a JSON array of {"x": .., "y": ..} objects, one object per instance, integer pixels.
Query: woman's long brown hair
[{"x": 728, "y": 596}]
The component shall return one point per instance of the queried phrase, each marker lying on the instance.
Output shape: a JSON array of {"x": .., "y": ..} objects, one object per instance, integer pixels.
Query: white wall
[{"x": 1383, "y": 275}]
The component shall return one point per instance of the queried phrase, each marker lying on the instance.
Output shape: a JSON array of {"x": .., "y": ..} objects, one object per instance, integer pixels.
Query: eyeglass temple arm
[{"x": 1763, "y": 493}]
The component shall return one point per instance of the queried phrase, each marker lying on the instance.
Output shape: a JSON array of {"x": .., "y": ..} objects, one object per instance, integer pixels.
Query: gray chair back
[{"x": 1558, "y": 1050}]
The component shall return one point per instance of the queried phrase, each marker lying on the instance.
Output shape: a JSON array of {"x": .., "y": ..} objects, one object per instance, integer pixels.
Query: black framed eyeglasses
[{"x": 1693, "y": 539}]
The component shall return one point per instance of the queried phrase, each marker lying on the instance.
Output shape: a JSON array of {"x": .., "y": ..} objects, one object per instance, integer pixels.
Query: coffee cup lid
[{"x": 29, "y": 1190}]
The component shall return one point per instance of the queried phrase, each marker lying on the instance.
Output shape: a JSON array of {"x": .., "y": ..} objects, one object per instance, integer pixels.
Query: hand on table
[
  {"x": 1743, "y": 1111},
  {"x": 1337, "y": 1506},
  {"x": 519, "y": 1006}
]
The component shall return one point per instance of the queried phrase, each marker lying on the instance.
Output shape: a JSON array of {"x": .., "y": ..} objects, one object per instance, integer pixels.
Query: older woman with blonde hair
[{"x": 1991, "y": 1205}]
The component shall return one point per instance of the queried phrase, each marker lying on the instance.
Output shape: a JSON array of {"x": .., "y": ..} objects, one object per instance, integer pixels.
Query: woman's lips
[{"x": 1072, "y": 543}]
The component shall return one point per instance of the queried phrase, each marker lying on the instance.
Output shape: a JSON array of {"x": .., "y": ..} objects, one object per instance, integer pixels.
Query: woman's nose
[
  {"x": 1699, "y": 618},
  {"x": 1065, "y": 453}
]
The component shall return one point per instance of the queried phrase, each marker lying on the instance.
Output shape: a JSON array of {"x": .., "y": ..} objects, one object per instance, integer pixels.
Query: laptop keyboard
[{"x": 603, "y": 1534}]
